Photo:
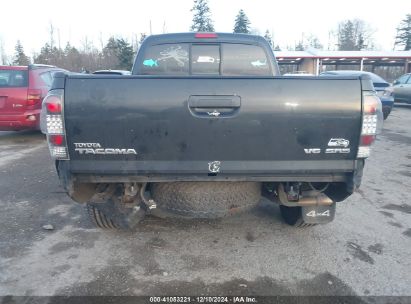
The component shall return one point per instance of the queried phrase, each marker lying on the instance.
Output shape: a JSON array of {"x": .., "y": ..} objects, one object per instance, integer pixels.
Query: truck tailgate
[{"x": 260, "y": 126}]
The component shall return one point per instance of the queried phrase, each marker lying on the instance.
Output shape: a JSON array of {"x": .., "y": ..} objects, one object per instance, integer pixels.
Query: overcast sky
[{"x": 29, "y": 20}]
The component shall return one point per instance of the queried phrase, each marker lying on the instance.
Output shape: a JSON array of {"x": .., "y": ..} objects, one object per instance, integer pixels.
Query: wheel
[
  {"x": 205, "y": 199},
  {"x": 99, "y": 219},
  {"x": 386, "y": 112},
  {"x": 293, "y": 216},
  {"x": 112, "y": 215}
]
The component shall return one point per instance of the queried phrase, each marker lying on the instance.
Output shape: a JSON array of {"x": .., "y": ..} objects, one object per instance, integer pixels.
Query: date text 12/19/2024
[{"x": 203, "y": 299}]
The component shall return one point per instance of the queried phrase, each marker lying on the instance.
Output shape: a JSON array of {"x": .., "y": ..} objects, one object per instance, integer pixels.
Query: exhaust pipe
[{"x": 308, "y": 198}]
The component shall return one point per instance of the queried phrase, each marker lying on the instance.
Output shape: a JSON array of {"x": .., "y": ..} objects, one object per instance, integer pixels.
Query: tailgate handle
[
  {"x": 228, "y": 101},
  {"x": 214, "y": 106}
]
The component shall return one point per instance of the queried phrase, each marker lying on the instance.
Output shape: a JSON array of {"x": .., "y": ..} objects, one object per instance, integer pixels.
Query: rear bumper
[
  {"x": 29, "y": 120},
  {"x": 160, "y": 171},
  {"x": 87, "y": 178}
]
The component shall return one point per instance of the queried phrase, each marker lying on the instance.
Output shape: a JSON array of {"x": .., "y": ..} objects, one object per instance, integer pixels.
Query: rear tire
[
  {"x": 385, "y": 113},
  {"x": 113, "y": 216},
  {"x": 293, "y": 216},
  {"x": 99, "y": 219}
]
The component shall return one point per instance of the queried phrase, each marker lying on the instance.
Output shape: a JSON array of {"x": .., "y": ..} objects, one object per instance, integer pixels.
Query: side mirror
[{"x": 395, "y": 82}]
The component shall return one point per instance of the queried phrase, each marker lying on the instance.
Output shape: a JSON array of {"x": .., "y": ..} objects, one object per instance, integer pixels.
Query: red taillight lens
[
  {"x": 53, "y": 104},
  {"x": 56, "y": 140},
  {"x": 33, "y": 97},
  {"x": 367, "y": 140},
  {"x": 370, "y": 108},
  {"x": 205, "y": 35}
]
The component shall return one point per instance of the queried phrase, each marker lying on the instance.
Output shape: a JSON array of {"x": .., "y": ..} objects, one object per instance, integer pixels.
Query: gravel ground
[{"x": 365, "y": 251}]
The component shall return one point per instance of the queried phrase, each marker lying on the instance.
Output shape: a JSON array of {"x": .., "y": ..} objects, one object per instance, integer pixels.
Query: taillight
[
  {"x": 56, "y": 133},
  {"x": 205, "y": 35},
  {"x": 33, "y": 97},
  {"x": 53, "y": 104},
  {"x": 372, "y": 121}
]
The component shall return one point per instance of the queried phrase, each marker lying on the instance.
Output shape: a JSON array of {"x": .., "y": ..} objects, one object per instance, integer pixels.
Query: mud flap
[{"x": 318, "y": 214}]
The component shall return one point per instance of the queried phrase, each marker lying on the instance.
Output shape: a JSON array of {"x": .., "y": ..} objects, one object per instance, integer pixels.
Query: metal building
[{"x": 388, "y": 64}]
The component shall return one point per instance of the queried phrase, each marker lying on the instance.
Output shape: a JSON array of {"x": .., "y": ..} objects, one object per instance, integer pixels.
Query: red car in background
[{"x": 22, "y": 89}]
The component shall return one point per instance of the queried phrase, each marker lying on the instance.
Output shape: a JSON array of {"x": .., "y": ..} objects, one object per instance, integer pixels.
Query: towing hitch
[
  {"x": 316, "y": 207},
  {"x": 306, "y": 198}
]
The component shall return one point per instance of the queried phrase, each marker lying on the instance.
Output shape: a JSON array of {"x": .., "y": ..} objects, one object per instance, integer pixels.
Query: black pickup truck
[{"x": 204, "y": 127}]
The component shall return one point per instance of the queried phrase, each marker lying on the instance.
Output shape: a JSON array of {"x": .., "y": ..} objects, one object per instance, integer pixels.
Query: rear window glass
[
  {"x": 205, "y": 59},
  {"x": 236, "y": 60},
  {"x": 403, "y": 78},
  {"x": 377, "y": 79},
  {"x": 381, "y": 84},
  {"x": 13, "y": 79},
  {"x": 46, "y": 77},
  {"x": 244, "y": 60},
  {"x": 166, "y": 59}
]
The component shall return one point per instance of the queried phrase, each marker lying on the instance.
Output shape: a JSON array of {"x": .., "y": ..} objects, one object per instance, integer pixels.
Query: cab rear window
[
  {"x": 244, "y": 60},
  {"x": 166, "y": 59},
  {"x": 13, "y": 78},
  {"x": 205, "y": 59}
]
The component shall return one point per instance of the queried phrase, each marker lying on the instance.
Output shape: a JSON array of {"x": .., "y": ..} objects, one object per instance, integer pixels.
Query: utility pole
[
  {"x": 101, "y": 40},
  {"x": 329, "y": 40},
  {"x": 51, "y": 31},
  {"x": 58, "y": 37}
]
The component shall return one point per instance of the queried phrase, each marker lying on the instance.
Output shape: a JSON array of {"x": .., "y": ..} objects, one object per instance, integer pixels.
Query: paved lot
[{"x": 365, "y": 251}]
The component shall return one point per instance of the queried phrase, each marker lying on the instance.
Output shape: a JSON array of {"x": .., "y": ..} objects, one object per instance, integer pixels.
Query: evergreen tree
[
  {"x": 403, "y": 37},
  {"x": 125, "y": 54},
  {"x": 201, "y": 20},
  {"x": 20, "y": 57},
  {"x": 242, "y": 23},
  {"x": 268, "y": 37},
  {"x": 143, "y": 36},
  {"x": 353, "y": 35},
  {"x": 361, "y": 41},
  {"x": 44, "y": 56},
  {"x": 118, "y": 54},
  {"x": 346, "y": 40},
  {"x": 312, "y": 41},
  {"x": 111, "y": 53},
  {"x": 73, "y": 58},
  {"x": 277, "y": 48},
  {"x": 299, "y": 46},
  {"x": 50, "y": 55},
  {"x": 308, "y": 41}
]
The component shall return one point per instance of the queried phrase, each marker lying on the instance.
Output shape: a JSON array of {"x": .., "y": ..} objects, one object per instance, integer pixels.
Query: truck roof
[{"x": 197, "y": 37}]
